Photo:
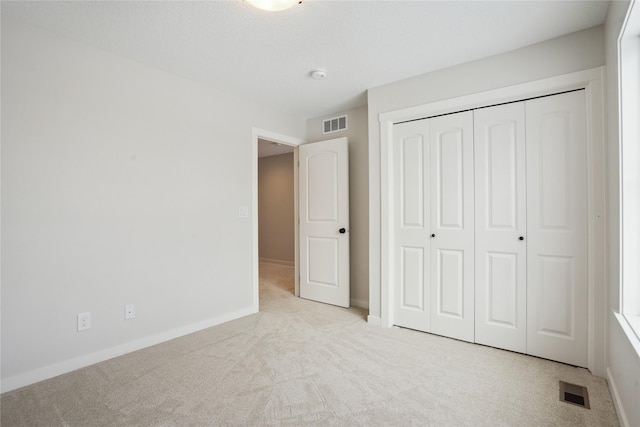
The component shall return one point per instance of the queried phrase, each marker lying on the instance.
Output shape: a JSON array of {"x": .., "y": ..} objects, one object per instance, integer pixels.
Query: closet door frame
[{"x": 592, "y": 82}]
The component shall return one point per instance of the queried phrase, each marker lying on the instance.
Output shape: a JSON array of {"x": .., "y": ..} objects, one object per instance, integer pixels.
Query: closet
[{"x": 489, "y": 226}]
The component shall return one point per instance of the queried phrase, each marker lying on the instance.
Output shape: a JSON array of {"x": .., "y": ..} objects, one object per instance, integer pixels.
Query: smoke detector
[{"x": 319, "y": 73}]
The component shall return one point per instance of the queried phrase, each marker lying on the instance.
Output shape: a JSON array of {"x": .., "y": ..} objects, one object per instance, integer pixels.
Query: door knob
[
  {"x": 433, "y": 235},
  {"x": 342, "y": 231},
  {"x": 521, "y": 238}
]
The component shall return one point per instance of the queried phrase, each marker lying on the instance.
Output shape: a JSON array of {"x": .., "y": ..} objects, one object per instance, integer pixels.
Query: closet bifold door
[
  {"x": 500, "y": 223},
  {"x": 432, "y": 217},
  {"x": 452, "y": 224},
  {"x": 410, "y": 225},
  {"x": 557, "y": 291}
]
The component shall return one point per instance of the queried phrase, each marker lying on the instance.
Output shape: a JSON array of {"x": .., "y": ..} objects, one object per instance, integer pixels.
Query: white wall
[
  {"x": 573, "y": 52},
  {"x": 120, "y": 184},
  {"x": 276, "y": 206},
  {"x": 358, "y": 195},
  {"x": 623, "y": 363}
]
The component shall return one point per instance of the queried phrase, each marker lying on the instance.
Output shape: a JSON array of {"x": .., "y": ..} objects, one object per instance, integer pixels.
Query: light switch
[{"x": 243, "y": 212}]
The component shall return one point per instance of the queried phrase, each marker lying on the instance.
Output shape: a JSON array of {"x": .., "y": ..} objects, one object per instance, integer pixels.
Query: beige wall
[
  {"x": 357, "y": 134},
  {"x": 623, "y": 362},
  {"x": 276, "y": 208}
]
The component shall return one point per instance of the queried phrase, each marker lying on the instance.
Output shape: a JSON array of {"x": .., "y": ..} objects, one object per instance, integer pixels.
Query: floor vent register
[{"x": 574, "y": 394}]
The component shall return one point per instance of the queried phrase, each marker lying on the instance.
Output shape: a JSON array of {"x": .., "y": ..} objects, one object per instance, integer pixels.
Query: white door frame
[
  {"x": 286, "y": 140},
  {"x": 590, "y": 80}
]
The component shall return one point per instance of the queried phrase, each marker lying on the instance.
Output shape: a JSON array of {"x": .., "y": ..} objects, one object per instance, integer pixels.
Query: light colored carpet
[{"x": 303, "y": 363}]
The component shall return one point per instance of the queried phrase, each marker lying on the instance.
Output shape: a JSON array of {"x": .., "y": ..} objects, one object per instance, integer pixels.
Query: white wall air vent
[{"x": 335, "y": 124}]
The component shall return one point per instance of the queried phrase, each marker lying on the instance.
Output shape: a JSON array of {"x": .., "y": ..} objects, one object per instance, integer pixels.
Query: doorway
[
  {"x": 276, "y": 231},
  {"x": 267, "y": 144}
]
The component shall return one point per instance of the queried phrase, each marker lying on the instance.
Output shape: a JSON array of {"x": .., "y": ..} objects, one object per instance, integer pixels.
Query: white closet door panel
[
  {"x": 557, "y": 228},
  {"x": 411, "y": 225},
  {"x": 500, "y": 221},
  {"x": 451, "y": 205}
]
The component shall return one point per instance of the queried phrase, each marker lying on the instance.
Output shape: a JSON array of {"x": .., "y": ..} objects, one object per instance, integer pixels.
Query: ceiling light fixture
[
  {"x": 319, "y": 73},
  {"x": 273, "y": 5}
]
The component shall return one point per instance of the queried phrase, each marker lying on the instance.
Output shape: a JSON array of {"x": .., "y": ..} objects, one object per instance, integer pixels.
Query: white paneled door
[
  {"x": 501, "y": 264},
  {"x": 452, "y": 263},
  {"x": 433, "y": 225},
  {"x": 412, "y": 225},
  {"x": 324, "y": 221},
  {"x": 557, "y": 292},
  {"x": 489, "y": 226}
]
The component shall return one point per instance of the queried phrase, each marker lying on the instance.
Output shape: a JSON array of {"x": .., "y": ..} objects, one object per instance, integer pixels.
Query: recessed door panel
[
  {"x": 554, "y": 144},
  {"x": 412, "y": 180},
  {"x": 557, "y": 242},
  {"x": 450, "y": 273},
  {"x": 450, "y": 190},
  {"x": 323, "y": 261},
  {"x": 412, "y": 279},
  {"x": 502, "y": 168},
  {"x": 554, "y": 298},
  {"x": 322, "y": 171},
  {"x": 502, "y": 289},
  {"x": 500, "y": 218}
]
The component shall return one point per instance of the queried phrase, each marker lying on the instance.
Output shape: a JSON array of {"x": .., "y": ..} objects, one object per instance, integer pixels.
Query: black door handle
[
  {"x": 342, "y": 231},
  {"x": 433, "y": 235},
  {"x": 521, "y": 238}
]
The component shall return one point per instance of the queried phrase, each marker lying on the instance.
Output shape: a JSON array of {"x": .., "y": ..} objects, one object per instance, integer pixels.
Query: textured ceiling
[{"x": 267, "y": 57}]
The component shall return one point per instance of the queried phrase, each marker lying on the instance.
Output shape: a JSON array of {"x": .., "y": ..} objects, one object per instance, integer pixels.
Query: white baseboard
[
  {"x": 374, "y": 320},
  {"x": 278, "y": 261},
  {"x": 359, "y": 303},
  {"x": 622, "y": 416},
  {"x": 69, "y": 365}
]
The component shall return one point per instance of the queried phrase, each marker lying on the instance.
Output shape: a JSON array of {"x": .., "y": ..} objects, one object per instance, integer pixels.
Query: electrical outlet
[
  {"x": 129, "y": 311},
  {"x": 84, "y": 321},
  {"x": 243, "y": 212}
]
